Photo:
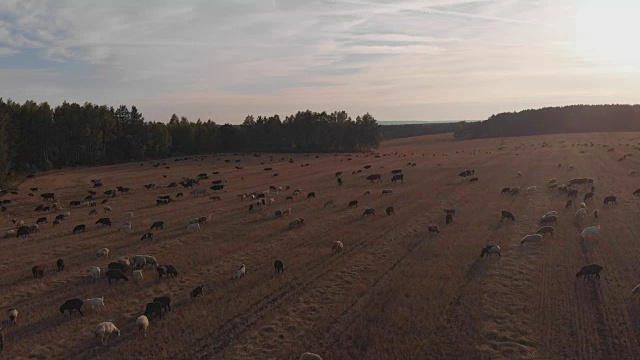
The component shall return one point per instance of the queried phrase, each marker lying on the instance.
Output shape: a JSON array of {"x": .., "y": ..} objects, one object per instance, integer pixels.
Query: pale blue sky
[{"x": 404, "y": 60}]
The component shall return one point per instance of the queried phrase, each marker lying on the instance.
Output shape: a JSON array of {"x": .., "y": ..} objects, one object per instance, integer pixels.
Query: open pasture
[{"x": 395, "y": 291}]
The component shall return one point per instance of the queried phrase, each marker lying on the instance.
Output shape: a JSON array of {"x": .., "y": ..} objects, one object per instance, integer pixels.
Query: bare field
[{"x": 394, "y": 292}]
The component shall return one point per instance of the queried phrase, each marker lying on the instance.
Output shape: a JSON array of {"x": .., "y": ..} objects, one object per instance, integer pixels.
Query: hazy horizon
[{"x": 441, "y": 60}]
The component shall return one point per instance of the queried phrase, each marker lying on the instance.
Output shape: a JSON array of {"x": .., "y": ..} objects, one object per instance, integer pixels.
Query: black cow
[
  {"x": 48, "y": 196},
  {"x": 153, "y": 308},
  {"x": 117, "y": 266},
  {"x": 37, "y": 271},
  {"x": 217, "y": 187},
  {"x": 374, "y": 177},
  {"x": 158, "y": 225},
  {"x": 104, "y": 221},
  {"x": 42, "y": 220},
  {"x": 165, "y": 301},
  {"x": 23, "y": 231},
  {"x": 197, "y": 291},
  {"x": 397, "y": 177},
  {"x": 507, "y": 215},
  {"x": 610, "y": 199},
  {"x": 147, "y": 236},
  {"x": 448, "y": 218}
]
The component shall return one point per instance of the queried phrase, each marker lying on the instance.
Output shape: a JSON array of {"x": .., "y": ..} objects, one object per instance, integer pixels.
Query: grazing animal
[
  {"x": 507, "y": 215},
  {"x": 490, "y": 249},
  {"x": 591, "y": 230},
  {"x": 588, "y": 270},
  {"x": 279, "y": 266},
  {"x": 142, "y": 322},
  {"x": 154, "y": 308},
  {"x": 448, "y": 219},
  {"x": 96, "y": 302},
  {"x": 546, "y": 230},
  {"x": 549, "y": 219},
  {"x": 368, "y": 192},
  {"x": 505, "y": 190},
  {"x": 197, "y": 291},
  {"x": 595, "y": 213},
  {"x": 310, "y": 356},
  {"x": 60, "y": 265},
  {"x": 193, "y": 227},
  {"x": 296, "y": 223},
  {"x": 515, "y": 191},
  {"x": 588, "y": 196},
  {"x": 104, "y": 252},
  {"x": 397, "y": 177},
  {"x": 569, "y": 204},
  {"x": 581, "y": 214},
  {"x": 103, "y": 330},
  {"x": 165, "y": 301},
  {"x": 157, "y": 225},
  {"x": 433, "y": 229},
  {"x": 531, "y": 238},
  {"x": 104, "y": 221},
  {"x": 240, "y": 272},
  {"x": 13, "y": 316},
  {"x": 636, "y": 192},
  {"x": 330, "y": 202},
  {"x": 390, "y": 210},
  {"x": 610, "y": 199},
  {"x": 137, "y": 274},
  {"x": 147, "y": 236},
  {"x": 117, "y": 275},
  {"x": 125, "y": 226},
  {"x": 79, "y": 229},
  {"x": 73, "y": 304},
  {"x": 311, "y": 195},
  {"x": 37, "y": 271},
  {"x": 369, "y": 211},
  {"x": 337, "y": 246},
  {"x": 353, "y": 203},
  {"x": 95, "y": 273},
  {"x": 117, "y": 265},
  {"x": 572, "y": 193},
  {"x": 473, "y": 179},
  {"x": 167, "y": 270},
  {"x": 387, "y": 191}
]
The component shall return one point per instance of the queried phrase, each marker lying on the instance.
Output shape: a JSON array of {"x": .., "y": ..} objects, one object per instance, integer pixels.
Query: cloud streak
[{"x": 406, "y": 59}]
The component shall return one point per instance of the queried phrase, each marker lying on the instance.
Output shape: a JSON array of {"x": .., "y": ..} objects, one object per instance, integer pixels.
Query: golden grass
[{"x": 394, "y": 292}]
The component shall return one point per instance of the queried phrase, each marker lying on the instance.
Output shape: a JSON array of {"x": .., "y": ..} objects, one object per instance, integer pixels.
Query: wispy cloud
[{"x": 409, "y": 59}]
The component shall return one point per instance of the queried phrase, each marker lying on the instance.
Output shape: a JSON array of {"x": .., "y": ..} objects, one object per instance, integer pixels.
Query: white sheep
[
  {"x": 310, "y": 356},
  {"x": 193, "y": 227},
  {"x": 583, "y": 205},
  {"x": 96, "y": 302},
  {"x": 66, "y": 214},
  {"x": 137, "y": 274},
  {"x": 13, "y": 316},
  {"x": 591, "y": 230},
  {"x": 103, "y": 330},
  {"x": 553, "y": 180},
  {"x": 104, "y": 252},
  {"x": 125, "y": 226},
  {"x": 240, "y": 272},
  {"x": 550, "y": 213},
  {"x": 9, "y": 233},
  {"x": 95, "y": 273},
  {"x": 531, "y": 238},
  {"x": 532, "y": 188},
  {"x": 581, "y": 214},
  {"x": 124, "y": 261},
  {"x": 193, "y": 221},
  {"x": 272, "y": 201},
  {"x": 107, "y": 209},
  {"x": 143, "y": 323}
]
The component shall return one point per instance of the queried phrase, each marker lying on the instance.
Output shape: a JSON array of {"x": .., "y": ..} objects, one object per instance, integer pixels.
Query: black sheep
[
  {"x": 116, "y": 274},
  {"x": 60, "y": 265},
  {"x": 73, "y": 304},
  {"x": 279, "y": 266}
]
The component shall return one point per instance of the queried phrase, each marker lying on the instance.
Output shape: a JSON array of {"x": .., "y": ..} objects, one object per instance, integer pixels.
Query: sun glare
[{"x": 607, "y": 31}]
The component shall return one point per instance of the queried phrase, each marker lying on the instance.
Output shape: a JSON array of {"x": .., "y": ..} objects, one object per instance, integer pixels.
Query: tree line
[
  {"x": 408, "y": 130},
  {"x": 553, "y": 120},
  {"x": 38, "y": 137}
]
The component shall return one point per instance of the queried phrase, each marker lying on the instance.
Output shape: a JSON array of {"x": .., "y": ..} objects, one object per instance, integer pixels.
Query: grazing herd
[{"x": 123, "y": 269}]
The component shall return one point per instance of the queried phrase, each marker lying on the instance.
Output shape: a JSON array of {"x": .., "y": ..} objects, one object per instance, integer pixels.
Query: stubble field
[{"x": 394, "y": 292}]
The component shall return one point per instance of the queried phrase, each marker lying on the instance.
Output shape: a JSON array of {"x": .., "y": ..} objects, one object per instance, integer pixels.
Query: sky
[{"x": 398, "y": 60}]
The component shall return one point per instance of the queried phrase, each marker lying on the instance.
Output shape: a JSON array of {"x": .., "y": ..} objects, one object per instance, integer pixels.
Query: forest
[
  {"x": 553, "y": 120},
  {"x": 36, "y": 137},
  {"x": 408, "y": 130}
]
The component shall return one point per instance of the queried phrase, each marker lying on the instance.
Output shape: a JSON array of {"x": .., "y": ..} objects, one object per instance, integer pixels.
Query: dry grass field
[{"x": 394, "y": 292}]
